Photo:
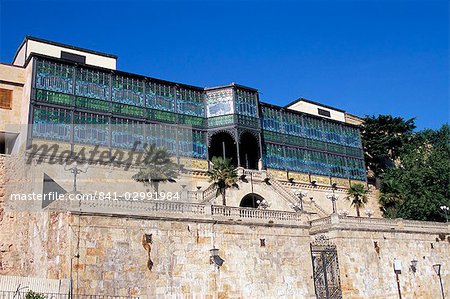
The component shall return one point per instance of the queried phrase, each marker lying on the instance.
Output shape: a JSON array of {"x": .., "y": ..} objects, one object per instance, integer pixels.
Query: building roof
[
  {"x": 41, "y": 40},
  {"x": 312, "y": 102}
]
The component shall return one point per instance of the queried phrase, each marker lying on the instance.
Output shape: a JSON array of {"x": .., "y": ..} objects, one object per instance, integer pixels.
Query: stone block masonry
[
  {"x": 265, "y": 257},
  {"x": 113, "y": 260}
]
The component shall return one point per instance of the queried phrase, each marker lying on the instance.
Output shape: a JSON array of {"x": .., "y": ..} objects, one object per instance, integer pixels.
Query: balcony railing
[
  {"x": 185, "y": 210},
  {"x": 249, "y": 213},
  {"x": 377, "y": 224}
]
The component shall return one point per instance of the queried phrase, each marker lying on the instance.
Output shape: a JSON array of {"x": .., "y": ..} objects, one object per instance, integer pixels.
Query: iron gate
[{"x": 325, "y": 269}]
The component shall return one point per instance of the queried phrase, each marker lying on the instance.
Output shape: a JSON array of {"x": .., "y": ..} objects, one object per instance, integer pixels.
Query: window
[
  {"x": 5, "y": 98},
  {"x": 73, "y": 57},
  {"x": 324, "y": 112}
]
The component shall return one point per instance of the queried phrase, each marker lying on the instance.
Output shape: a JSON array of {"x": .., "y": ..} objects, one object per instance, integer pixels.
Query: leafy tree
[
  {"x": 422, "y": 176},
  {"x": 157, "y": 166},
  {"x": 223, "y": 175},
  {"x": 357, "y": 194},
  {"x": 384, "y": 138}
]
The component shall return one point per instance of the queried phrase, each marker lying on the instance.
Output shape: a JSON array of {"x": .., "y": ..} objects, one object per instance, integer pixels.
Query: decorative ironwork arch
[
  {"x": 255, "y": 134},
  {"x": 229, "y": 131}
]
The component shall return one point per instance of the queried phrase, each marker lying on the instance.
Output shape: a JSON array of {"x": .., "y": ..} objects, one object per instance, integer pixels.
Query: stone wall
[
  {"x": 367, "y": 248},
  {"x": 366, "y": 261},
  {"x": 264, "y": 258},
  {"x": 113, "y": 259}
]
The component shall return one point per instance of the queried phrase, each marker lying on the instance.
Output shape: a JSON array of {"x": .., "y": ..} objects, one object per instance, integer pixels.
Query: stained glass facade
[
  {"x": 88, "y": 105},
  {"x": 308, "y": 144}
]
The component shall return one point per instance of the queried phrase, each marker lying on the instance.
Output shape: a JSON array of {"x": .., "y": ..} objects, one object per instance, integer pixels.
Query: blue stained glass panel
[
  {"x": 54, "y": 76},
  {"x": 272, "y": 119},
  {"x": 199, "y": 144},
  {"x": 91, "y": 128},
  {"x": 127, "y": 133},
  {"x": 246, "y": 103},
  {"x": 293, "y": 124},
  {"x": 92, "y": 84},
  {"x": 162, "y": 136},
  {"x": 128, "y": 90},
  {"x": 313, "y": 127},
  {"x": 190, "y": 102},
  {"x": 274, "y": 156},
  {"x": 51, "y": 123},
  {"x": 219, "y": 102},
  {"x": 159, "y": 96}
]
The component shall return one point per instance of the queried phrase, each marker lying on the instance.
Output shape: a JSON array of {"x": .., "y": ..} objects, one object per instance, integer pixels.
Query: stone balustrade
[
  {"x": 209, "y": 193},
  {"x": 256, "y": 175},
  {"x": 250, "y": 213},
  {"x": 189, "y": 211},
  {"x": 160, "y": 209},
  {"x": 340, "y": 222}
]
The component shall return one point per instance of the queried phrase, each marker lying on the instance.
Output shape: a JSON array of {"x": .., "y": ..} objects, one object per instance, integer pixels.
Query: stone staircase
[{"x": 260, "y": 177}]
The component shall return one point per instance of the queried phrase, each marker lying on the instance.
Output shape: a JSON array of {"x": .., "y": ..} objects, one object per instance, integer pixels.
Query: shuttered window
[{"x": 5, "y": 98}]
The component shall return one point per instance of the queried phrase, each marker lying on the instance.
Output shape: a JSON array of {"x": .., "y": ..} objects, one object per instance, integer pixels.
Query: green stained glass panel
[
  {"x": 92, "y": 104},
  {"x": 127, "y": 110},
  {"x": 220, "y": 121},
  {"x": 53, "y": 97},
  {"x": 272, "y": 136},
  {"x": 191, "y": 120},
  {"x": 162, "y": 116}
]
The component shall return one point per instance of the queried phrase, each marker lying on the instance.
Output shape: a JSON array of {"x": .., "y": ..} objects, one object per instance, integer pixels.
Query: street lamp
[
  {"x": 76, "y": 169},
  {"x": 397, "y": 270},
  {"x": 215, "y": 259},
  {"x": 437, "y": 269},
  {"x": 298, "y": 206},
  {"x": 263, "y": 204},
  {"x": 414, "y": 265},
  {"x": 445, "y": 209},
  {"x": 368, "y": 212},
  {"x": 343, "y": 212},
  {"x": 333, "y": 197}
]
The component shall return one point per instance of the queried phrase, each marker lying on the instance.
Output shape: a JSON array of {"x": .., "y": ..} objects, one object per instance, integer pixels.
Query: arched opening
[
  {"x": 250, "y": 200},
  {"x": 222, "y": 145},
  {"x": 249, "y": 151}
]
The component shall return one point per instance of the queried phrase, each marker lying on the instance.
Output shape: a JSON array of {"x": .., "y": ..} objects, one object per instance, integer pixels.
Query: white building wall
[
  {"x": 32, "y": 46},
  {"x": 311, "y": 108}
]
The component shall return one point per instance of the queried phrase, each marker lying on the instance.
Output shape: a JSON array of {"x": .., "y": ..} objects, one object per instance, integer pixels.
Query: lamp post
[
  {"x": 368, "y": 212},
  {"x": 77, "y": 256},
  {"x": 333, "y": 197},
  {"x": 76, "y": 169},
  {"x": 437, "y": 269},
  {"x": 445, "y": 209},
  {"x": 298, "y": 206},
  {"x": 263, "y": 204},
  {"x": 397, "y": 270},
  {"x": 343, "y": 212}
]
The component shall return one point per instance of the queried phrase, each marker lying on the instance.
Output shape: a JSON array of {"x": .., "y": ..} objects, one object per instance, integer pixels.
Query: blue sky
[{"x": 366, "y": 56}]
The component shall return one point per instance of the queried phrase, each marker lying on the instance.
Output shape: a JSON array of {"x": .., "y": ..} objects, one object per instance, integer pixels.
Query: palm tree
[
  {"x": 391, "y": 198},
  {"x": 223, "y": 175},
  {"x": 157, "y": 166},
  {"x": 357, "y": 194}
]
